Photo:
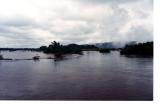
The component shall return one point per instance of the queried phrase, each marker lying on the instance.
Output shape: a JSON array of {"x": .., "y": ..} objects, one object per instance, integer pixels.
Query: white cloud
[{"x": 37, "y": 22}]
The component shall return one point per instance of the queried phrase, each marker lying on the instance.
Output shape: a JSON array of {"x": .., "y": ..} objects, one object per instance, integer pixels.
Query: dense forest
[
  {"x": 57, "y": 48},
  {"x": 104, "y": 50},
  {"x": 138, "y": 49}
]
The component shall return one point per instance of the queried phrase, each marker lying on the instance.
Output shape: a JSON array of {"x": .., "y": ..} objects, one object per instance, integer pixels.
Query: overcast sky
[{"x": 32, "y": 23}]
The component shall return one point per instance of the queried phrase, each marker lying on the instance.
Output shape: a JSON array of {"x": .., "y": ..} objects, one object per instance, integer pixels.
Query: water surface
[{"x": 92, "y": 76}]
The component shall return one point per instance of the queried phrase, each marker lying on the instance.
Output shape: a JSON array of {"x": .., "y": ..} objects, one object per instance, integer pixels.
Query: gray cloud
[
  {"x": 75, "y": 21},
  {"x": 139, "y": 33}
]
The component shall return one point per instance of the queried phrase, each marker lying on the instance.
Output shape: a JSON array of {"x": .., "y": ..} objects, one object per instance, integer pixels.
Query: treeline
[
  {"x": 104, "y": 50},
  {"x": 57, "y": 48},
  {"x": 19, "y": 49},
  {"x": 138, "y": 49}
]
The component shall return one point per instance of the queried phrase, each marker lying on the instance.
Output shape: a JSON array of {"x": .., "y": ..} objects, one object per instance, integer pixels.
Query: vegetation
[
  {"x": 1, "y": 57},
  {"x": 138, "y": 49},
  {"x": 36, "y": 57},
  {"x": 58, "y": 49},
  {"x": 104, "y": 50},
  {"x": 19, "y": 49},
  {"x": 89, "y": 47}
]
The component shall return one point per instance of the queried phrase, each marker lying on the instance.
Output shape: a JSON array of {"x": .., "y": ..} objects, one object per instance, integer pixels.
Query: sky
[{"x": 33, "y": 23}]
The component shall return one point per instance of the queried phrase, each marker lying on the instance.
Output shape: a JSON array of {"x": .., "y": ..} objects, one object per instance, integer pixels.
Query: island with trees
[
  {"x": 57, "y": 48},
  {"x": 143, "y": 49}
]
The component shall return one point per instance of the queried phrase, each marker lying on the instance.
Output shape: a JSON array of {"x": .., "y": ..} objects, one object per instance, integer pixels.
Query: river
[{"x": 91, "y": 76}]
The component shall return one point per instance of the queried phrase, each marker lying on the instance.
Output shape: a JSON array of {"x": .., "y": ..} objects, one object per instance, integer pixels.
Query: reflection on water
[{"x": 91, "y": 76}]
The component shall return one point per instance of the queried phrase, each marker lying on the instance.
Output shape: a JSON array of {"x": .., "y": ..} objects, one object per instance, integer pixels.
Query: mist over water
[{"x": 92, "y": 76}]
